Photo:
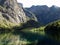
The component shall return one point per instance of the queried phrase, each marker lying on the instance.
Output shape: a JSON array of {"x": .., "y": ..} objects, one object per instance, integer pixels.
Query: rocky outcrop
[{"x": 11, "y": 11}]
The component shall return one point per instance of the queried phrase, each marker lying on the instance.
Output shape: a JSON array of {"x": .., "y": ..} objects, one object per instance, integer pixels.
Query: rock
[
  {"x": 11, "y": 11},
  {"x": 30, "y": 15}
]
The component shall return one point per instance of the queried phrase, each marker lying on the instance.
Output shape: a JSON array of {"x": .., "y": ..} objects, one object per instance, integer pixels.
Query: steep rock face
[
  {"x": 29, "y": 14},
  {"x": 10, "y": 10}
]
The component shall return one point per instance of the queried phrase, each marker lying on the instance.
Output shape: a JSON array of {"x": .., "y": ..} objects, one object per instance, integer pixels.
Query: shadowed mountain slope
[{"x": 45, "y": 14}]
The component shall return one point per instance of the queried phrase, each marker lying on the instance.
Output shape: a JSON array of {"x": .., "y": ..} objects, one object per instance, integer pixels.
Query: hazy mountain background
[
  {"x": 45, "y": 14},
  {"x": 36, "y": 25}
]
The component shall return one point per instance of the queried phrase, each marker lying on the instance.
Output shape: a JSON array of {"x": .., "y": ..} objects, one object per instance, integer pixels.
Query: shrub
[{"x": 53, "y": 29}]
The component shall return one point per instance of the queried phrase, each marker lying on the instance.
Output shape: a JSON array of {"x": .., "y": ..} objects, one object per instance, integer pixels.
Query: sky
[{"x": 29, "y": 3}]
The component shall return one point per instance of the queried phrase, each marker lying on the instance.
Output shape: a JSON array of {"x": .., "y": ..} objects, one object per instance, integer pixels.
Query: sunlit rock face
[{"x": 11, "y": 11}]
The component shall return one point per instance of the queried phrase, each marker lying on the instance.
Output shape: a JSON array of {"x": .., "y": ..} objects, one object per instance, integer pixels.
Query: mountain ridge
[{"x": 45, "y": 14}]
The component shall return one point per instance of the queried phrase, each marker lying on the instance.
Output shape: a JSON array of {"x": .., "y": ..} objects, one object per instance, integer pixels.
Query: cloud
[{"x": 28, "y": 3}]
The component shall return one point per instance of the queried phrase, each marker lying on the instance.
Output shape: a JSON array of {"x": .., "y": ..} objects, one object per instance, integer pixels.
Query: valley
[{"x": 37, "y": 25}]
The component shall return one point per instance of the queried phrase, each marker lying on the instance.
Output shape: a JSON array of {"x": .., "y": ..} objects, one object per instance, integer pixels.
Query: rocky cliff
[
  {"x": 11, "y": 11},
  {"x": 29, "y": 14}
]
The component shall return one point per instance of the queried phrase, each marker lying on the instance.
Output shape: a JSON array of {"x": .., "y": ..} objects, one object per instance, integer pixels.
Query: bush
[{"x": 53, "y": 29}]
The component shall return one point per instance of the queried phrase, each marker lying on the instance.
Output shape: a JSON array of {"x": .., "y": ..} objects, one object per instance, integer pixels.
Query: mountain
[
  {"x": 53, "y": 30},
  {"x": 45, "y": 14},
  {"x": 28, "y": 30},
  {"x": 29, "y": 14},
  {"x": 11, "y": 12}
]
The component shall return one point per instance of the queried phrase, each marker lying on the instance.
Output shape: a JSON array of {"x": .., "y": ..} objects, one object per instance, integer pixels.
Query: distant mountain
[{"x": 45, "y": 14}]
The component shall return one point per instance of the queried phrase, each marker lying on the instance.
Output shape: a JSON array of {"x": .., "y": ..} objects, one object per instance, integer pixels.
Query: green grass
[{"x": 35, "y": 30}]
